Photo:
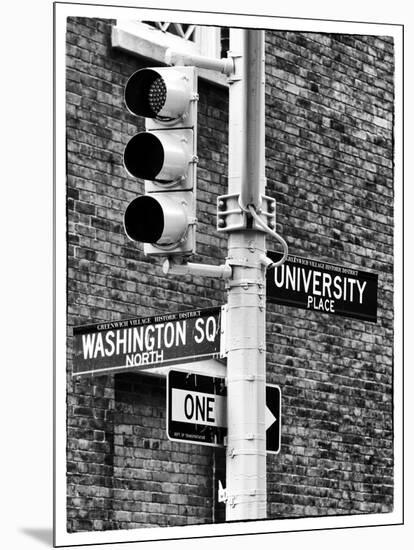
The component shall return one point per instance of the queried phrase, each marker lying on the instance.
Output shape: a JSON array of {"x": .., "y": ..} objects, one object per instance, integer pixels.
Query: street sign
[
  {"x": 142, "y": 343},
  {"x": 197, "y": 408},
  {"x": 319, "y": 286},
  {"x": 273, "y": 418}
]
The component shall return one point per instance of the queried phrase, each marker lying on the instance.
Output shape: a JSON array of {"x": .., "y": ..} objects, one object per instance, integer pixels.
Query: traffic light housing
[{"x": 165, "y": 156}]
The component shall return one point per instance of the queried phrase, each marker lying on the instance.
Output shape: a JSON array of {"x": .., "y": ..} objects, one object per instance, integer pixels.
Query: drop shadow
[{"x": 44, "y": 535}]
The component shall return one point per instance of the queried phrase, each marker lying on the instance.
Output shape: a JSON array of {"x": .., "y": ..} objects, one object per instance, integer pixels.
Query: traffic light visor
[{"x": 162, "y": 93}]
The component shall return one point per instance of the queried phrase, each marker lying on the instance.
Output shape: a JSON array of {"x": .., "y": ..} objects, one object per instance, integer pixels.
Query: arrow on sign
[
  {"x": 273, "y": 416},
  {"x": 269, "y": 418}
]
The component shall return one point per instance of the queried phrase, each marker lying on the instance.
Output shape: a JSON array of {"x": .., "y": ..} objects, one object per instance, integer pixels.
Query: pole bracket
[
  {"x": 232, "y": 217},
  {"x": 224, "y": 65},
  {"x": 222, "y": 493},
  {"x": 172, "y": 267}
]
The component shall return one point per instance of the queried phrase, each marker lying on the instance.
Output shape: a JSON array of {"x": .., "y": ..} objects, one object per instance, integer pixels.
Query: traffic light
[{"x": 165, "y": 156}]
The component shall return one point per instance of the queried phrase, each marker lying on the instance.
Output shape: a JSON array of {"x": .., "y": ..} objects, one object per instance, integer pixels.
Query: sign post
[{"x": 246, "y": 341}]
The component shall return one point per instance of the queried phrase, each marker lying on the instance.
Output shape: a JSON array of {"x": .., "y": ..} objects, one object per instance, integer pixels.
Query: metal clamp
[
  {"x": 223, "y": 496},
  {"x": 244, "y": 283},
  {"x": 231, "y": 216},
  {"x": 222, "y": 493},
  {"x": 247, "y": 377},
  {"x": 235, "y": 57}
]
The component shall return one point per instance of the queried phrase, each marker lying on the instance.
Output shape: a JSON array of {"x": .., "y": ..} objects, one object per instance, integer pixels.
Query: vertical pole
[{"x": 246, "y": 361}]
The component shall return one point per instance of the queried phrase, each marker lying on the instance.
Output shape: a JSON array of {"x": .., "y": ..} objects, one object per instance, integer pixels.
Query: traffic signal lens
[
  {"x": 157, "y": 94},
  {"x": 162, "y": 157},
  {"x": 144, "y": 156},
  {"x": 162, "y": 94},
  {"x": 146, "y": 93},
  {"x": 156, "y": 219},
  {"x": 144, "y": 220}
]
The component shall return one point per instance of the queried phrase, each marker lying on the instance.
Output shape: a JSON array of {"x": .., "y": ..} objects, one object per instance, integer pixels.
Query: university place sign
[
  {"x": 319, "y": 286},
  {"x": 145, "y": 342}
]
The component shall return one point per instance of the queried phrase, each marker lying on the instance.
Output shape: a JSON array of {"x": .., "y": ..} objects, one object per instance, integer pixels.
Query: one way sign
[{"x": 196, "y": 410}]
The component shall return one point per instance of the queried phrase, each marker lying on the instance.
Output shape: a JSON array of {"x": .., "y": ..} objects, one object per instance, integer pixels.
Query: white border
[{"x": 62, "y": 537}]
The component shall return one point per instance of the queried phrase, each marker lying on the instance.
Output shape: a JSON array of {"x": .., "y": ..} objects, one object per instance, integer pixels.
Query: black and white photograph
[
  {"x": 229, "y": 223},
  {"x": 227, "y": 281}
]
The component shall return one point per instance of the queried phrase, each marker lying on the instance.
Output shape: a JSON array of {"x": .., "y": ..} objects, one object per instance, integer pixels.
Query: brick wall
[{"x": 329, "y": 165}]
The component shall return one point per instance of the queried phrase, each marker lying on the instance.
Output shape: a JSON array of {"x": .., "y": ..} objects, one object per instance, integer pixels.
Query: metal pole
[
  {"x": 253, "y": 174},
  {"x": 246, "y": 361}
]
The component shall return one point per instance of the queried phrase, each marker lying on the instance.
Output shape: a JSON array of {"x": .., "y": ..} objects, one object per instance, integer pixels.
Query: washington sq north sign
[{"x": 145, "y": 342}]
